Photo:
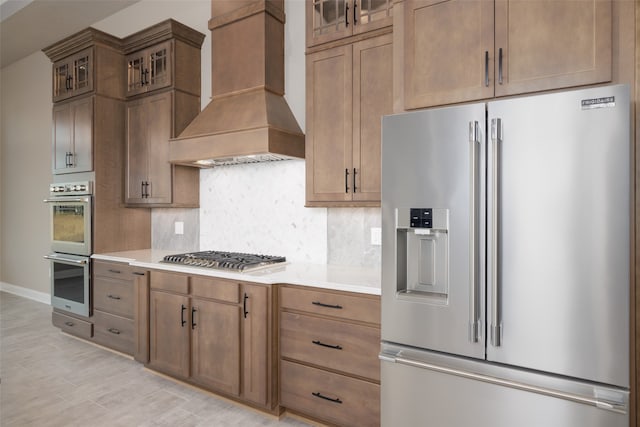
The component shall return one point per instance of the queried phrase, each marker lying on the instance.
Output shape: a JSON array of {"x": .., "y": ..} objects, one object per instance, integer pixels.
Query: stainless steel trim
[
  {"x": 599, "y": 403},
  {"x": 62, "y": 258},
  {"x": 67, "y": 200},
  {"x": 473, "y": 233},
  {"x": 496, "y": 326}
]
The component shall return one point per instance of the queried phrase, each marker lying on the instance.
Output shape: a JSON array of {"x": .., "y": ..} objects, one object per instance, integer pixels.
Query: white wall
[{"x": 25, "y": 171}]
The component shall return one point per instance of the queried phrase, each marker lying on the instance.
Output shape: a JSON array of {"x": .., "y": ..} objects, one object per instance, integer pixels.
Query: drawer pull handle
[
  {"x": 326, "y": 305},
  {"x": 69, "y": 323},
  {"x": 318, "y": 394},
  {"x": 113, "y": 296},
  {"x": 137, "y": 273},
  {"x": 114, "y": 331},
  {"x": 114, "y": 271},
  {"x": 337, "y": 347}
]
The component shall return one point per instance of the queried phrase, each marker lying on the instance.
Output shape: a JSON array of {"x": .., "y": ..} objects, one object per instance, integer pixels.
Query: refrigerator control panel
[{"x": 422, "y": 218}]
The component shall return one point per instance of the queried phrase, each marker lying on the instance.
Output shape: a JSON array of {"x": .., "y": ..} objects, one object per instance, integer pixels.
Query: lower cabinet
[
  {"x": 213, "y": 332},
  {"x": 119, "y": 291},
  {"x": 329, "y": 366}
]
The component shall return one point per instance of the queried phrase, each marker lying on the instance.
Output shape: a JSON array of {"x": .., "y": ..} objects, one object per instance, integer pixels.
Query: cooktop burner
[{"x": 225, "y": 260}]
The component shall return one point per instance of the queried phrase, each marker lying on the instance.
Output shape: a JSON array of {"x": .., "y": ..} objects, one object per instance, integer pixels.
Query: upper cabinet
[
  {"x": 163, "y": 69},
  {"x": 329, "y": 20},
  {"x": 73, "y": 75},
  {"x": 149, "y": 69},
  {"x": 72, "y": 149},
  {"x": 501, "y": 47},
  {"x": 166, "y": 55},
  {"x": 349, "y": 89},
  {"x": 87, "y": 62}
]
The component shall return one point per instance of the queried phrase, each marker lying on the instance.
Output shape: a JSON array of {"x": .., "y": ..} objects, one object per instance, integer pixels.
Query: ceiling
[{"x": 27, "y": 26}]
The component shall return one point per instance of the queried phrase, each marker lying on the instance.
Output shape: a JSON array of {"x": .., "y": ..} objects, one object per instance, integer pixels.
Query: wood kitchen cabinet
[
  {"x": 118, "y": 291},
  {"x": 501, "y": 47},
  {"x": 89, "y": 61},
  {"x": 73, "y": 75},
  {"x": 150, "y": 180},
  {"x": 329, "y": 20},
  {"x": 149, "y": 69},
  {"x": 72, "y": 139},
  {"x": 215, "y": 333},
  {"x": 349, "y": 89},
  {"x": 329, "y": 344},
  {"x": 165, "y": 56},
  {"x": 88, "y": 135}
]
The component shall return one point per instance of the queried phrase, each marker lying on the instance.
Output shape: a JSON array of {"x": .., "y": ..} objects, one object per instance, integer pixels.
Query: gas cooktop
[{"x": 234, "y": 261}]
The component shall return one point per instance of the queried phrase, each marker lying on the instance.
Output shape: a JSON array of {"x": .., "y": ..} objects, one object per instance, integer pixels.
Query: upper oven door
[{"x": 71, "y": 224}]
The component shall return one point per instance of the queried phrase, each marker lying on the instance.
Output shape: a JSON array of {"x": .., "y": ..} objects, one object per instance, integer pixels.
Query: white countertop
[{"x": 365, "y": 280}]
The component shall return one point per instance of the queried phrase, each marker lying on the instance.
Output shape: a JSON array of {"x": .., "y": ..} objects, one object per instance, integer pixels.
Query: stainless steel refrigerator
[{"x": 506, "y": 262}]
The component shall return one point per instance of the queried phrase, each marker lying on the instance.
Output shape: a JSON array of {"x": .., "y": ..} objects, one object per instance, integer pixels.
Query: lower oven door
[{"x": 70, "y": 289}]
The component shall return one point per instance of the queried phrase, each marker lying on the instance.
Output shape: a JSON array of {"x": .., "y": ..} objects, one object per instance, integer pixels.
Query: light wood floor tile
[{"x": 49, "y": 379}]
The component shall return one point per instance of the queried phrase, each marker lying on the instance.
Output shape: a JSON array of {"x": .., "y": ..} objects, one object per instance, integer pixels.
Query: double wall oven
[{"x": 70, "y": 212}]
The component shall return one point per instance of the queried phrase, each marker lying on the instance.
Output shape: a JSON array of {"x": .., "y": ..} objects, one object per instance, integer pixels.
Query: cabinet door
[
  {"x": 159, "y": 125},
  {"x": 82, "y": 66},
  {"x": 137, "y": 151},
  {"x": 82, "y": 152},
  {"x": 62, "y": 80},
  {"x": 169, "y": 333},
  {"x": 135, "y": 73},
  {"x": 371, "y": 14},
  {"x": 255, "y": 339},
  {"x": 215, "y": 348},
  {"x": 448, "y": 51},
  {"x": 373, "y": 98},
  {"x": 551, "y": 44},
  {"x": 62, "y": 135},
  {"x": 160, "y": 66},
  {"x": 329, "y": 125},
  {"x": 73, "y": 136},
  {"x": 328, "y": 20}
]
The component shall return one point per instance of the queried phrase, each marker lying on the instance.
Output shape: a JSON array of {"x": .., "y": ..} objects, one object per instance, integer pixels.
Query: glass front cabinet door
[
  {"x": 149, "y": 69},
  {"x": 73, "y": 75}
]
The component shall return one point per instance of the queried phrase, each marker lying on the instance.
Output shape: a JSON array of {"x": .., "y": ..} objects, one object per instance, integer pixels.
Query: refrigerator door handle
[
  {"x": 614, "y": 402},
  {"x": 474, "y": 318},
  {"x": 496, "y": 324}
]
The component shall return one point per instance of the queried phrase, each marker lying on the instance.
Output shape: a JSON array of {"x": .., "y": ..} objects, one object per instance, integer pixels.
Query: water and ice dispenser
[{"x": 423, "y": 253}]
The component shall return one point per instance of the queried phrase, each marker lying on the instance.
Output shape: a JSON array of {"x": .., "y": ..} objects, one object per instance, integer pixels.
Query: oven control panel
[{"x": 71, "y": 188}]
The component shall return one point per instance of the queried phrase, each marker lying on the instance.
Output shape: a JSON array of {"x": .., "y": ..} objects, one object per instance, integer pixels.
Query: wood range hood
[{"x": 248, "y": 119}]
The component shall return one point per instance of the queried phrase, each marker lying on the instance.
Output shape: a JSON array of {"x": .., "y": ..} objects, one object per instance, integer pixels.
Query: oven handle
[
  {"x": 64, "y": 199},
  {"x": 62, "y": 259}
]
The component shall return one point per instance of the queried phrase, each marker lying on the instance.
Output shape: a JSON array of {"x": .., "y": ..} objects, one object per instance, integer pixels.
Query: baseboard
[{"x": 26, "y": 293}]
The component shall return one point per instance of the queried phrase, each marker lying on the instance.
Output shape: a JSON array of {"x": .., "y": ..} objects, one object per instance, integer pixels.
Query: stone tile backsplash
[{"x": 259, "y": 208}]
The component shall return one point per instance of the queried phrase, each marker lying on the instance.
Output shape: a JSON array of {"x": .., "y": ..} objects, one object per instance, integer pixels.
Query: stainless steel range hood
[{"x": 248, "y": 119}]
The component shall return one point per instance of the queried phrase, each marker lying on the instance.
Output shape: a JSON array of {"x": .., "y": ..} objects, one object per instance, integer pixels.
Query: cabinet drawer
[
  {"x": 169, "y": 282},
  {"x": 72, "y": 325},
  {"x": 220, "y": 289},
  {"x": 309, "y": 390},
  {"x": 113, "y": 270},
  {"x": 113, "y": 296},
  {"x": 332, "y": 344},
  {"x": 344, "y": 306},
  {"x": 113, "y": 331}
]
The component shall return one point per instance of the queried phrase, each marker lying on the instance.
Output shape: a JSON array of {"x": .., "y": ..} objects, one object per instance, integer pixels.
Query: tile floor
[{"x": 51, "y": 379}]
